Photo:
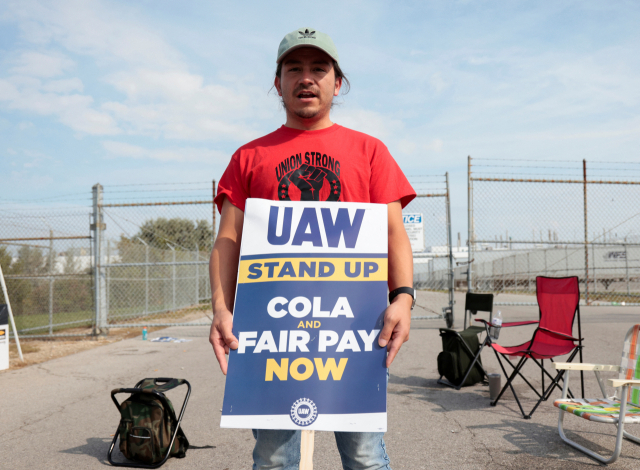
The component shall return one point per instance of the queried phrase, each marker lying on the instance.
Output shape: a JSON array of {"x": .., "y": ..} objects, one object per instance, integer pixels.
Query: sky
[{"x": 141, "y": 92}]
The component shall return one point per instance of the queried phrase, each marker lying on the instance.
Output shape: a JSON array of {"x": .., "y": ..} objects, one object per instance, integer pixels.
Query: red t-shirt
[{"x": 332, "y": 164}]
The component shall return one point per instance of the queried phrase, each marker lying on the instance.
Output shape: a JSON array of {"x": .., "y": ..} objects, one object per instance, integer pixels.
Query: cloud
[
  {"x": 185, "y": 154},
  {"x": 153, "y": 92},
  {"x": 370, "y": 122},
  {"x": 90, "y": 27},
  {"x": 179, "y": 105},
  {"x": 73, "y": 110},
  {"x": 38, "y": 64},
  {"x": 64, "y": 86}
]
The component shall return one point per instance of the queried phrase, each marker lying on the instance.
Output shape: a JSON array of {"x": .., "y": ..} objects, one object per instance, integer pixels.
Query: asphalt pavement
[{"x": 59, "y": 414}]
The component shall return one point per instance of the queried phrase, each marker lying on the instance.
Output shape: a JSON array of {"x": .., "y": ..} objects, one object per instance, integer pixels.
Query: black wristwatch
[{"x": 403, "y": 290}]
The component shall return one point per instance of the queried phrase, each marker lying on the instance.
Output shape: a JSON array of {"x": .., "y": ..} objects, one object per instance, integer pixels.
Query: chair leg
[
  {"x": 519, "y": 373},
  {"x": 590, "y": 453},
  {"x": 542, "y": 373},
  {"x": 471, "y": 366},
  {"x": 631, "y": 437},
  {"x": 559, "y": 376},
  {"x": 619, "y": 435},
  {"x": 552, "y": 386},
  {"x": 508, "y": 384},
  {"x": 545, "y": 393}
]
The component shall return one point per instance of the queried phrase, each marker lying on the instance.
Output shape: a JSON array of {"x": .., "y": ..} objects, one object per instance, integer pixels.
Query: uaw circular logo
[{"x": 304, "y": 412}]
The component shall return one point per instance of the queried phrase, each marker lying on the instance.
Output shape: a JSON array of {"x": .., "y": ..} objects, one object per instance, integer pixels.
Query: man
[{"x": 312, "y": 159}]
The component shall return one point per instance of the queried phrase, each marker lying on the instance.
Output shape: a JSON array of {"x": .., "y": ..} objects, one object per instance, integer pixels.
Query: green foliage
[
  {"x": 30, "y": 261},
  {"x": 183, "y": 234},
  {"x": 25, "y": 295},
  {"x": 5, "y": 259}
]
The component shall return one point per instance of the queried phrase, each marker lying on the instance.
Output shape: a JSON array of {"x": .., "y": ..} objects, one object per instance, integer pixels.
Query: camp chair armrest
[
  {"x": 584, "y": 366},
  {"x": 615, "y": 383},
  {"x": 511, "y": 323},
  {"x": 562, "y": 335},
  {"x": 519, "y": 323}
]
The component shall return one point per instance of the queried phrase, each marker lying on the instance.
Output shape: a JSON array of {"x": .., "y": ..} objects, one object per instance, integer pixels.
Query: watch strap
[{"x": 403, "y": 290}]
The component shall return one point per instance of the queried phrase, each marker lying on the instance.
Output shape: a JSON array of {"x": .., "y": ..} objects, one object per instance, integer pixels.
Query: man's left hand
[{"x": 397, "y": 323}]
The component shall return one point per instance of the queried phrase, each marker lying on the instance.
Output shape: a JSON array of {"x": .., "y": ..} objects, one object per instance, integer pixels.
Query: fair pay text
[{"x": 291, "y": 341}]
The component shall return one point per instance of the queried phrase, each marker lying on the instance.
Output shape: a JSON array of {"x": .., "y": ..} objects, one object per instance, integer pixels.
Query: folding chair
[
  {"x": 558, "y": 301},
  {"x": 607, "y": 410},
  {"x": 467, "y": 340}
]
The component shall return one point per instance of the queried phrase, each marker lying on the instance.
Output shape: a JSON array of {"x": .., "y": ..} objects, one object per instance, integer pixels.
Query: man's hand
[
  {"x": 223, "y": 269},
  {"x": 222, "y": 338},
  {"x": 397, "y": 323}
]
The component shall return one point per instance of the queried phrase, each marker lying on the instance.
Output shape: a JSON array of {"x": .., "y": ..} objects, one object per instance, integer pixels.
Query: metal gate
[
  {"x": 152, "y": 269},
  {"x": 433, "y": 259}
]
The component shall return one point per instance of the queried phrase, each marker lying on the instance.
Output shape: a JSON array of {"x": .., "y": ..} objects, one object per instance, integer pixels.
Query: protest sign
[{"x": 309, "y": 307}]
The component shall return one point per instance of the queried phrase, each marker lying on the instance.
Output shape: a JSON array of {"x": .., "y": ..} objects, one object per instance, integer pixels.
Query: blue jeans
[{"x": 280, "y": 450}]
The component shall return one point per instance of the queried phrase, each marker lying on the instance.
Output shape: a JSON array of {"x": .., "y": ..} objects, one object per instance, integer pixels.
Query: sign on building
[
  {"x": 4, "y": 337},
  {"x": 310, "y": 299},
  {"x": 413, "y": 224}
]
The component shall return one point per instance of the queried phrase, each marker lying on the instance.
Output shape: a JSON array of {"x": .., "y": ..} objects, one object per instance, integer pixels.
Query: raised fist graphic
[{"x": 309, "y": 180}]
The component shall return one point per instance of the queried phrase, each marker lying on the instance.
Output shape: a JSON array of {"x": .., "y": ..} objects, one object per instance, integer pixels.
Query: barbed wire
[
  {"x": 163, "y": 190},
  {"x": 173, "y": 198},
  {"x": 589, "y": 162},
  {"x": 157, "y": 184},
  {"x": 4, "y": 201}
]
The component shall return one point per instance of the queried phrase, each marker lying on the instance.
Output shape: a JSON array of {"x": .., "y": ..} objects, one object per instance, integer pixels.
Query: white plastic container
[{"x": 496, "y": 325}]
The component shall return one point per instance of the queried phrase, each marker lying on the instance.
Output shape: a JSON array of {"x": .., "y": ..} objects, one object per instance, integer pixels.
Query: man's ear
[
  {"x": 276, "y": 83},
  {"x": 336, "y": 91}
]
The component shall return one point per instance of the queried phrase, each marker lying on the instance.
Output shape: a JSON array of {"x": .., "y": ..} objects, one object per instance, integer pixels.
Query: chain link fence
[
  {"x": 154, "y": 257},
  {"x": 560, "y": 218},
  {"x": 139, "y": 257},
  {"x": 428, "y": 222},
  {"x": 47, "y": 265}
]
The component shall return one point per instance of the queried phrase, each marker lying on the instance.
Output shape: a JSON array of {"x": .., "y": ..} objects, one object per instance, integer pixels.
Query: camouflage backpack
[{"x": 149, "y": 431}]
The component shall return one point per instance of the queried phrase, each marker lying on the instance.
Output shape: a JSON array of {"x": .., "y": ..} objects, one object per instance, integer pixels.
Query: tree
[
  {"x": 31, "y": 260},
  {"x": 182, "y": 234},
  {"x": 5, "y": 259}
]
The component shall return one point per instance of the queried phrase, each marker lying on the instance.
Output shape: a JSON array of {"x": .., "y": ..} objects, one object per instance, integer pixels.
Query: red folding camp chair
[{"x": 558, "y": 300}]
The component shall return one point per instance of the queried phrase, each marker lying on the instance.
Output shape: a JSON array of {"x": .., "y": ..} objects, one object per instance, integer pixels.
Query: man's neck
[{"x": 295, "y": 122}]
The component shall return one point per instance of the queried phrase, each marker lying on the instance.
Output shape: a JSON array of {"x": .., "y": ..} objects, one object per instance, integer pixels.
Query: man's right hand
[{"x": 222, "y": 338}]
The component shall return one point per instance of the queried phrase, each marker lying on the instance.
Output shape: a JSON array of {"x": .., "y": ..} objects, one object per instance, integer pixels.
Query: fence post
[
  {"x": 626, "y": 267},
  {"x": 528, "y": 273},
  {"x": 469, "y": 225},
  {"x": 595, "y": 275},
  {"x": 107, "y": 273},
  {"x": 198, "y": 274},
  {"x": 173, "y": 277},
  {"x": 146, "y": 279},
  {"x": 586, "y": 240},
  {"x": 99, "y": 280},
  {"x": 51, "y": 259},
  {"x": 449, "y": 242},
  {"x": 515, "y": 270}
]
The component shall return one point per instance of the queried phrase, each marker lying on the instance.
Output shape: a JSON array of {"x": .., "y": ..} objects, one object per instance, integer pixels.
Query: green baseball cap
[{"x": 307, "y": 37}]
